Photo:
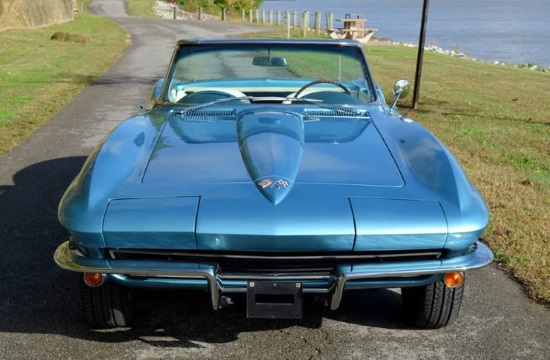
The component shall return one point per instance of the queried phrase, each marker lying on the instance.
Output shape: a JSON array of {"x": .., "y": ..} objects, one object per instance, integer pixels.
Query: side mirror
[
  {"x": 153, "y": 96},
  {"x": 269, "y": 61},
  {"x": 400, "y": 89},
  {"x": 158, "y": 88}
]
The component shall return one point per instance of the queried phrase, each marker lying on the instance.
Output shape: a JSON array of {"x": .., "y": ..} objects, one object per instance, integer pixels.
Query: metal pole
[{"x": 420, "y": 56}]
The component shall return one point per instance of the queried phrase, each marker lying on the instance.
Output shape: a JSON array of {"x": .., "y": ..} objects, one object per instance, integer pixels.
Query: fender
[
  {"x": 114, "y": 162},
  {"x": 427, "y": 165}
]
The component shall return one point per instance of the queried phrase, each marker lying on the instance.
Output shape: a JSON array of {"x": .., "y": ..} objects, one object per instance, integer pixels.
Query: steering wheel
[{"x": 322, "y": 81}]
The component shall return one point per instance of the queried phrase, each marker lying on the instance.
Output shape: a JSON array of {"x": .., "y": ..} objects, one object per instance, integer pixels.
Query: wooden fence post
[
  {"x": 330, "y": 21},
  {"x": 305, "y": 23},
  {"x": 287, "y": 23},
  {"x": 318, "y": 23}
]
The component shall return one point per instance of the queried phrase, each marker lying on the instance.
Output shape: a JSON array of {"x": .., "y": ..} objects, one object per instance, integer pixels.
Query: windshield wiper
[
  {"x": 344, "y": 110},
  {"x": 195, "y": 108},
  {"x": 252, "y": 99}
]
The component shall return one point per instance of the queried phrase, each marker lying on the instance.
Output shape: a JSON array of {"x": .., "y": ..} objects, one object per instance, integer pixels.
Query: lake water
[{"x": 513, "y": 31}]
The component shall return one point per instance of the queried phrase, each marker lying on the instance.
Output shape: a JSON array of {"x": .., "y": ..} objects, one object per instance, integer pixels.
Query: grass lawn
[
  {"x": 140, "y": 8},
  {"x": 495, "y": 119},
  {"x": 39, "y": 76}
]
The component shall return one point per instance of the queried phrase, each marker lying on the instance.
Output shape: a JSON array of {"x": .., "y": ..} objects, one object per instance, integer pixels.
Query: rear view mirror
[{"x": 269, "y": 61}]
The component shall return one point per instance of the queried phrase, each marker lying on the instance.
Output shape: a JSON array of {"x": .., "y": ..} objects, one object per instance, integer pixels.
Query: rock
[{"x": 68, "y": 37}]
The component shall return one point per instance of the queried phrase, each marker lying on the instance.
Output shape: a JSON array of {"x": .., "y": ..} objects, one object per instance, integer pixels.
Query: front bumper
[{"x": 217, "y": 283}]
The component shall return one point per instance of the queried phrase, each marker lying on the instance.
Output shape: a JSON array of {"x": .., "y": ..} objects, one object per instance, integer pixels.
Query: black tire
[
  {"x": 432, "y": 306},
  {"x": 107, "y": 306}
]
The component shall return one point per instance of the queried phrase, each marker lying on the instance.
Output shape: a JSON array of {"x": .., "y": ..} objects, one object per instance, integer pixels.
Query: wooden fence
[{"x": 307, "y": 22}]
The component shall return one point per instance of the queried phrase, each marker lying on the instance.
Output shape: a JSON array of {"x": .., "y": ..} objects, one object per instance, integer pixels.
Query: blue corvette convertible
[{"x": 273, "y": 169}]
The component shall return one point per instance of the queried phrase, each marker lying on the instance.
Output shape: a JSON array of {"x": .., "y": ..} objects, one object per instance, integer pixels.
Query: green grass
[
  {"x": 140, "y": 8},
  {"x": 39, "y": 76},
  {"x": 496, "y": 120}
]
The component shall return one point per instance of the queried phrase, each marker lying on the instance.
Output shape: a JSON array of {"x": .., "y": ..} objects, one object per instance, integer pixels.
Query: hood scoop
[{"x": 272, "y": 145}]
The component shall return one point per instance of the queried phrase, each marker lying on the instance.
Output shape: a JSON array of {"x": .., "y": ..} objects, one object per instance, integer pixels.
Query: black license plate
[{"x": 274, "y": 300}]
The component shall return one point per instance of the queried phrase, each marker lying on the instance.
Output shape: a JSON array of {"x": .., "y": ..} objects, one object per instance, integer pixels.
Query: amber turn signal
[
  {"x": 94, "y": 279},
  {"x": 453, "y": 279}
]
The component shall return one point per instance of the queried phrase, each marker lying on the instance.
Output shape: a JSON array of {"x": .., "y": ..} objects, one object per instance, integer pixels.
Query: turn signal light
[
  {"x": 453, "y": 279},
  {"x": 94, "y": 279}
]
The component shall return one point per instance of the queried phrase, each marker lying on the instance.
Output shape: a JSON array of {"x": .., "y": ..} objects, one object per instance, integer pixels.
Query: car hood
[
  {"x": 271, "y": 148},
  {"x": 273, "y": 181}
]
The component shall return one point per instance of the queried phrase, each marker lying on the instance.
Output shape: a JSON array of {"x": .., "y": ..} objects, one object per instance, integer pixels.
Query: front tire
[
  {"x": 106, "y": 306},
  {"x": 432, "y": 306}
]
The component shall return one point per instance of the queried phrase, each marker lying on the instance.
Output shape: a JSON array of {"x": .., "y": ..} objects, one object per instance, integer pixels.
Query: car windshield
[{"x": 323, "y": 72}]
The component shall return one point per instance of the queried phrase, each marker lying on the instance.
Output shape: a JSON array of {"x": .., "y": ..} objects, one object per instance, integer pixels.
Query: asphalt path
[{"x": 39, "y": 307}]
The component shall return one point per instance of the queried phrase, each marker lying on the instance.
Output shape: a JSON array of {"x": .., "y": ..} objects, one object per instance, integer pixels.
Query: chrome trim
[
  {"x": 483, "y": 257},
  {"x": 213, "y": 256},
  {"x": 70, "y": 260},
  {"x": 64, "y": 259},
  {"x": 285, "y": 277},
  {"x": 304, "y": 290}
]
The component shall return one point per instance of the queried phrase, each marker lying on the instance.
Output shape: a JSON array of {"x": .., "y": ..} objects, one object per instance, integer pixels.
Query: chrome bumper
[{"x": 73, "y": 261}]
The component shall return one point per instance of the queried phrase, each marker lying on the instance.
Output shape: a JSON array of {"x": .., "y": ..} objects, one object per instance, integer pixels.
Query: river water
[{"x": 513, "y": 31}]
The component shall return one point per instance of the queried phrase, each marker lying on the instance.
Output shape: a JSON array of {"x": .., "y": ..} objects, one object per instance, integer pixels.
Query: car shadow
[
  {"x": 38, "y": 297},
  {"x": 185, "y": 318}
]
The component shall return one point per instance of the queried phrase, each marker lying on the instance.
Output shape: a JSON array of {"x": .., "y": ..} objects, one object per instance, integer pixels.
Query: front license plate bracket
[{"x": 274, "y": 300}]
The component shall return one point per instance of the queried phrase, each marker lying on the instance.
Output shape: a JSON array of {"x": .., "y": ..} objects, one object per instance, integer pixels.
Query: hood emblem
[
  {"x": 265, "y": 183},
  {"x": 270, "y": 184}
]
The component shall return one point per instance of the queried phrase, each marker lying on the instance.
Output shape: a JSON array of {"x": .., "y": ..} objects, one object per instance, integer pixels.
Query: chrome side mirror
[{"x": 400, "y": 89}]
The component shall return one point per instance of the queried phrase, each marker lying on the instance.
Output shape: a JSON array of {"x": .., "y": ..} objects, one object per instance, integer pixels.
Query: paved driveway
[{"x": 39, "y": 311}]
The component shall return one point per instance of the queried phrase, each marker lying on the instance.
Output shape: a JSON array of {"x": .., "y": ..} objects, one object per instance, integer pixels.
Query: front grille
[{"x": 274, "y": 263}]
